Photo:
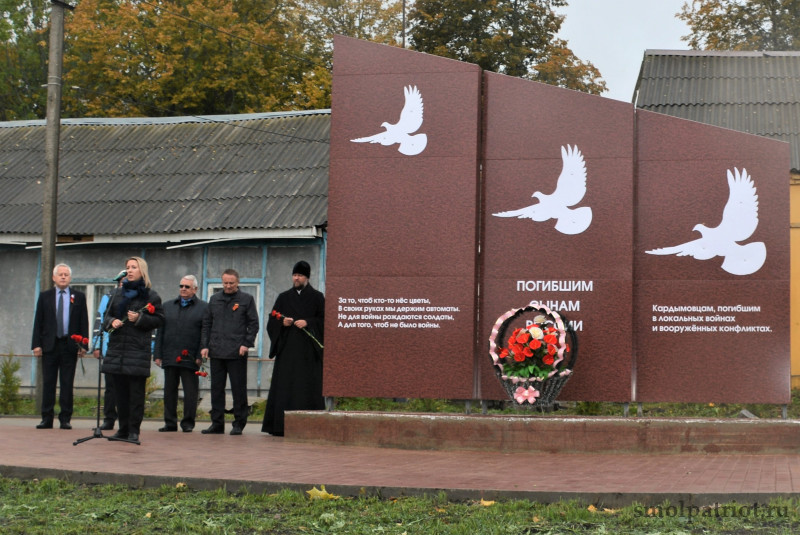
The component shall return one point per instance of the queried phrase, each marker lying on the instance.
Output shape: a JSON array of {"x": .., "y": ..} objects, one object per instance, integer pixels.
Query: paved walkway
[{"x": 264, "y": 463}]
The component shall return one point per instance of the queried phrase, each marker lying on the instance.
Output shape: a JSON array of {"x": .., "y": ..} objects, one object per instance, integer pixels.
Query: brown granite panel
[
  {"x": 404, "y": 225},
  {"x": 690, "y": 345},
  {"x": 403, "y": 228},
  {"x": 734, "y": 367},
  {"x": 526, "y": 126},
  {"x": 425, "y": 355}
]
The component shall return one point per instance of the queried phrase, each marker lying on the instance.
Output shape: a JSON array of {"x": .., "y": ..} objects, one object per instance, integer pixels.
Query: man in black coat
[
  {"x": 177, "y": 351},
  {"x": 60, "y": 313},
  {"x": 295, "y": 329},
  {"x": 230, "y": 327}
]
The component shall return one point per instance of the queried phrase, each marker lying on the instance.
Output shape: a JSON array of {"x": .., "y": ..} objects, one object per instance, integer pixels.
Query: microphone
[{"x": 120, "y": 275}]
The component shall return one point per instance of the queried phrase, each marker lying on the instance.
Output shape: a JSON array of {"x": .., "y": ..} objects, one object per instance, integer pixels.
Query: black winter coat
[
  {"x": 129, "y": 347},
  {"x": 181, "y": 332},
  {"x": 230, "y": 322}
]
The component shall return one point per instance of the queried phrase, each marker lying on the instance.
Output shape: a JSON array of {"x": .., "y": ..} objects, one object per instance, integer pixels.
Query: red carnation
[
  {"x": 178, "y": 359},
  {"x": 150, "y": 308},
  {"x": 548, "y": 359},
  {"x": 80, "y": 340}
]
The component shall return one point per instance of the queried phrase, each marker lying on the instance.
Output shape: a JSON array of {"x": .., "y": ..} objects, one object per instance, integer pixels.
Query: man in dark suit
[{"x": 60, "y": 313}]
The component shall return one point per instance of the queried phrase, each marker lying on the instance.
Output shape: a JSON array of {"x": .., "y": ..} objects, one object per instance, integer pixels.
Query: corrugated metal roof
[
  {"x": 753, "y": 92},
  {"x": 170, "y": 175}
]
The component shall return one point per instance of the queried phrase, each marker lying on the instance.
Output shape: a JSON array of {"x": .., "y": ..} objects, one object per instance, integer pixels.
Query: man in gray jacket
[
  {"x": 177, "y": 351},
  {"x": 229, "y": 330}
]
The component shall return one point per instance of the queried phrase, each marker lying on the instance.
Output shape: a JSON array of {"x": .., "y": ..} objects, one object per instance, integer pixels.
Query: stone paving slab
[{"x": 264, "y": 463}]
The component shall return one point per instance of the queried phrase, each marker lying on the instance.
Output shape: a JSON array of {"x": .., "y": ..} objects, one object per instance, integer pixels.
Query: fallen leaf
[
  {"x": 321, "y": 494},
  {"x": 486, "y": 503},
  {"x": 592, "y": 509}
]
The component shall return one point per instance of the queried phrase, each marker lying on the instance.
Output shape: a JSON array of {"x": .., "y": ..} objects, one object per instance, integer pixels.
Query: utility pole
[
  {"x": 51, "y": 144},
  {"x": 404, "y": 23}
]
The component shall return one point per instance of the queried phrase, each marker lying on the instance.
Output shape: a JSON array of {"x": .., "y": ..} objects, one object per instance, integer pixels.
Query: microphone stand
[{"x": 97, "y": 432}]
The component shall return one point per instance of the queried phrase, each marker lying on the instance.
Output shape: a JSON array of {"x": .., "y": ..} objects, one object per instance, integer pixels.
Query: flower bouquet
[{"x": 533, "y": 365}]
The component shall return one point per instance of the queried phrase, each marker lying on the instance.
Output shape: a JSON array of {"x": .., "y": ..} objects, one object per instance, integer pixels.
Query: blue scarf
[{"x": 130, "y": 290}]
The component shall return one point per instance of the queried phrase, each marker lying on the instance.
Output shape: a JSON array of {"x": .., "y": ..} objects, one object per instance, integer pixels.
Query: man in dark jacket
[
  {"x": 60, "y": 313},
  {"x": 229, "y": 330},
  {"x": 177, "y": 351}
]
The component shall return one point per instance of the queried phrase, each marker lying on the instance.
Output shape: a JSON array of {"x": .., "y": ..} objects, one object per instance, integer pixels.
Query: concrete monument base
[{"x": 575, "y": 434}]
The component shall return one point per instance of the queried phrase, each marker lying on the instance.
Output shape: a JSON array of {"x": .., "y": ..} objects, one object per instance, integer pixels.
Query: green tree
[
  {"x": 379, "y": 21},
  {"x": 23, "y": 59},
  {"x": 742, "y": 24},
  {"x": 185, "y": 57},
  {"x": 513, "y": 37}
]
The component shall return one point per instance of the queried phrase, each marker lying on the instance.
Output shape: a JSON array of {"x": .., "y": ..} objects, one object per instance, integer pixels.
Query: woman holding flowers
[{"x": 132, "y": 314}]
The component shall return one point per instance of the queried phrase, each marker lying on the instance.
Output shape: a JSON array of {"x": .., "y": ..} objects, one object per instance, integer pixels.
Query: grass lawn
[{"x": 53, "y": 506}]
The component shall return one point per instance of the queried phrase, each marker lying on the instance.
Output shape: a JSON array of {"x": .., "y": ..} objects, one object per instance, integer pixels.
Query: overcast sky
[{"x": 613, "y": 35}]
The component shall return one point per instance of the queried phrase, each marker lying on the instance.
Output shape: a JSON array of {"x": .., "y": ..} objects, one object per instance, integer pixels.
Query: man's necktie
[{"x": 60, "y": 314}]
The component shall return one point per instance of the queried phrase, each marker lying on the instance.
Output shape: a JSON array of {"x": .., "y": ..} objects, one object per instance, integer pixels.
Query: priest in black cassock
[{"x": 295, "y": 328}]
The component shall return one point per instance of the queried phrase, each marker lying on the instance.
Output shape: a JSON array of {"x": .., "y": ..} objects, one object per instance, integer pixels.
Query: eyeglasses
[{"x": 185, "y": 286}]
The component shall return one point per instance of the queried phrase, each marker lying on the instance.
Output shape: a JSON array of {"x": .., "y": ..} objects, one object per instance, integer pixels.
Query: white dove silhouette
[
  {"x": 570, "y": 189},
  {"x": 739, "y": 221},
  {"x": 410, "y": 121}
]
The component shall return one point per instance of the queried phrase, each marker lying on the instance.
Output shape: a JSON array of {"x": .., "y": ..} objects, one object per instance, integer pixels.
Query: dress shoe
[
  {"x": 236, "y": 431},
  {"x": 107, "y": 426},
  {"x": 66, "y": 425},
  {"x": 187, "y": 429},
  {"x": 45, "y": 425},
  {"x": 167, "y": 429},
  {"x": 213, "y": 430},
  {"x": 133, "y": 437},
  {"x": 120, "y": 436}
]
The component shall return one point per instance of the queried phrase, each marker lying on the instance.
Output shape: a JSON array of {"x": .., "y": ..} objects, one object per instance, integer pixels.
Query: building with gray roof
[
  {"x": 753, "y": 92},
  {"x": 192, "y": 195}
]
